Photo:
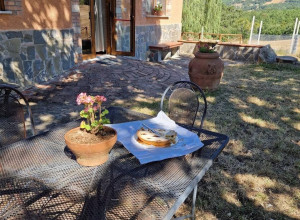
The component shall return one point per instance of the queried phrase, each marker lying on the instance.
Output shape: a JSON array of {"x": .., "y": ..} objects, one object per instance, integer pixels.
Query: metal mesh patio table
[{"x": 40, "y": 178}]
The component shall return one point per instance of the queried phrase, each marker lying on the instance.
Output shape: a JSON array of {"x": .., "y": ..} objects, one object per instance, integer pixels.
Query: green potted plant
[
  {"x": 92, "y": 141},
  {"x": 206, "y": 68},
  {"x": 157, "y": 10}
]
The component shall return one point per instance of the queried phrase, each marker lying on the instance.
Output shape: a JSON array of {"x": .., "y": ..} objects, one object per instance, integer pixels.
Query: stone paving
[{"x": 123, "y": 80}]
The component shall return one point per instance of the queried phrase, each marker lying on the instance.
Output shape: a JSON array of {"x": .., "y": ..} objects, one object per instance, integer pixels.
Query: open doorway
[
  {"x": 93, "y": 22},
  {"x": 107, "y": 26}
]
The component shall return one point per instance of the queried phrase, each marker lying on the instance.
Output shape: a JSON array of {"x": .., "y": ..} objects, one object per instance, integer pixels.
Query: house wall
[
  {"x": 151, "y": 30},
  {"x": 38, "y": 40},
  {"x": 173, "y": 13},
  {"x": 36, "y": 14}
]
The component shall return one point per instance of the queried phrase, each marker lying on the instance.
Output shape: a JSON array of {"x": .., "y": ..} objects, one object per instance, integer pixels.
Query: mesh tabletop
[{"x": 40, "y": 179}]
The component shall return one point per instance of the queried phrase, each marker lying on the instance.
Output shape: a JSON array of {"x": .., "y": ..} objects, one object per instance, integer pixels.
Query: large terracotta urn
[
  {"x": 206, "y": 70},
  {"x": 91, "y": 154}
]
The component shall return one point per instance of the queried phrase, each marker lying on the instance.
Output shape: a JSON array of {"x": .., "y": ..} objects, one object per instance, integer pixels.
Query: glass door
[
  {"x": 87, "y": 26},
  {"x": 123, "y": 27}
]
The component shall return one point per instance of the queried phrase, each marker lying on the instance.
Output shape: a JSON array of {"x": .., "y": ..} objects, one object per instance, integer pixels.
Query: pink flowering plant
[{"x": 92, "y": 113}]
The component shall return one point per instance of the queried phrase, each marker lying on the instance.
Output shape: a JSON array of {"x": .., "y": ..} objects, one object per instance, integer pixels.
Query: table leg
[
  {"x": 192, "y": 214},
  {"x": 194, "y": 201}
]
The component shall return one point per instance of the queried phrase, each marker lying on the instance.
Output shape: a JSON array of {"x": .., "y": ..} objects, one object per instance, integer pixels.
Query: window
[
  {"x": 2, "y": 8},
  {"x": 10, "y": 7},
  {"x": 149, "y": 5},
  {"x": 161, "y": 2}
]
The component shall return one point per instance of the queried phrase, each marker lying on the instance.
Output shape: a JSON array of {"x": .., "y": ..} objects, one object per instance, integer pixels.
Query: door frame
[
  {"x": 92, "y": 23},
  {"x": 111, "y": 33},
  {"x": 92, "y": 5}
]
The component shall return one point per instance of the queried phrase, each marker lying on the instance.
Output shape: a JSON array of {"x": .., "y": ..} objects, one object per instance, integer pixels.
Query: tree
[
  {"x": 201, "y": 13},
  {"x": 217, "y": 17}
]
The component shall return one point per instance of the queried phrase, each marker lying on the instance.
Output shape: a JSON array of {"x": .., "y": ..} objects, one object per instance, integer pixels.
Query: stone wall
[
  {"x": 152, "y": 35},
  {"x": 35, "y": 56},
  {"x": 187, "y": 48},
  {"x": 244, "y": 53},
  {"x": 238, "y": 52}
]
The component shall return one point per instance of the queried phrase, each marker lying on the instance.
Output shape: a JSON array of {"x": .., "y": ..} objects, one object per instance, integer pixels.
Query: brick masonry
[
  {"x": 35, "y": 56},
  {"x": 15, "y": 6}
]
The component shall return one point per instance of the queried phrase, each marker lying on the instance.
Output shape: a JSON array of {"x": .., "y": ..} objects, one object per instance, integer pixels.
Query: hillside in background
[
  {"x": 216, "y": 17},
  {"x": 263, "y": 4},
  {"x": 275, "y": 21}
]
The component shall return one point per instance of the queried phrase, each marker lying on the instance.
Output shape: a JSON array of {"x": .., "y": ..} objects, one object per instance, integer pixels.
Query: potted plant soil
[
  {"x": 92, "y": 141},
  {"x": 206, "y": 68},
  {"x": 157, "y": 10}
]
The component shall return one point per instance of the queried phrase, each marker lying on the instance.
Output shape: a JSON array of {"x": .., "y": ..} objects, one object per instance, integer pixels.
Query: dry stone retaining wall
[
  {"x": 235, "y": 52},
  {"x": 238, "y": 53}
]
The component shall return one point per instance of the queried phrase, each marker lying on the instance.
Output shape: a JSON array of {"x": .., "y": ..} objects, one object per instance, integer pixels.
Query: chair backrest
[
  {"x": 184, "y": 102},
  {"x": 15, "y": 114}
]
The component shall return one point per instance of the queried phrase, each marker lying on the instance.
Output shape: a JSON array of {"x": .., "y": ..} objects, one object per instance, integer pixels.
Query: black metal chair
[
  {"x": 185, "y": 103},
  {"x": 15, "y": 113}
]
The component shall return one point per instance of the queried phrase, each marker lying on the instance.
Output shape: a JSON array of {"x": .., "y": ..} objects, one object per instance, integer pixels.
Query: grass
[{"x": 257, "y": 175}]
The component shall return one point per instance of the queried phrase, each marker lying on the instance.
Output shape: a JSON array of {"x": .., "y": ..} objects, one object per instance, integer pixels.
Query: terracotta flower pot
[
  {"x": 91, "y": 154},
  {"x": 206, "y": 70},
  {"x": 154, "y": 12},
  {"x": 160, "y": 13}
]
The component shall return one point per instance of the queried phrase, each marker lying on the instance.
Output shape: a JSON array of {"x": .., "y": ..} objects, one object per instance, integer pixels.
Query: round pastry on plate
[{"x": 166, "y": 138}]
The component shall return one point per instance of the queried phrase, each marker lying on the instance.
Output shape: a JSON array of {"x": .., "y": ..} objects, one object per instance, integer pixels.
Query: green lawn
[{"x": 258, "y": 174}]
